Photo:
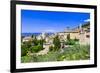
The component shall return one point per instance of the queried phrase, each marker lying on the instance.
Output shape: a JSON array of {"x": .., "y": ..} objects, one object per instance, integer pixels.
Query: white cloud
[{"x": 87, "y": 20}]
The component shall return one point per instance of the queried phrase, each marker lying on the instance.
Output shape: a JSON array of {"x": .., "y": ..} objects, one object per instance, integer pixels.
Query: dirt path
[{"x": 45, "y": 51}]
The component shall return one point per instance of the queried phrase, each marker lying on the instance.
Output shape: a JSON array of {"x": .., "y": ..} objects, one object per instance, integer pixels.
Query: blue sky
[{"x": 33, "y": 21}]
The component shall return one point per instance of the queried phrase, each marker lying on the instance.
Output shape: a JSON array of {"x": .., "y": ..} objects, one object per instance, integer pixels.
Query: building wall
[
  {"x": 84, "y": 39},
  {"x": 74, "y": 35}
]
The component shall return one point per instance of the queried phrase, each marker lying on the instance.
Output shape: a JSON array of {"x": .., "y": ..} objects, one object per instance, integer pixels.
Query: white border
[{"x": 20, "y": 65}]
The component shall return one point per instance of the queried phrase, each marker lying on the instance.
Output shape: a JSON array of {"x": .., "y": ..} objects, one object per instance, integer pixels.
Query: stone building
[{"x": 81, "y": 33}]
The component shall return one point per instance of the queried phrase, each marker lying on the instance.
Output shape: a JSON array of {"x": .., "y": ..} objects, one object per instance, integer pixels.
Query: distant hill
[{"x": 86, "y": 25}]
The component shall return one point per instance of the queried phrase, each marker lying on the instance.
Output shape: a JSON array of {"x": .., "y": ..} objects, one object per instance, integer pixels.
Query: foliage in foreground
[
  {"x": 56, "y": 42},
  {"x": 77, "y": 52},
  {"x": 33, "y": 46}
]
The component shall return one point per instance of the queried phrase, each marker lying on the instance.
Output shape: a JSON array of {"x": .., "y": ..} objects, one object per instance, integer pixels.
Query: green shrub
[
  {"x": 24, "y": 50},
  {"x": 36, "y": 48},
  {"x": 70, "y": 42},
  {"x": 51, "y": 56},
  {"x": 28, "y": 44},
  {"x": 35, "y": 41},
  {"x": 26, "y": 59},
  {"x": 51, "y": 48},
  {"x": 76, "y": 39},
  {"x": 78, "y": 52},
  {"x": 68, "y": 37},
  {"x": 56, "y": 42},
  {"x": 61, "y": 58}
]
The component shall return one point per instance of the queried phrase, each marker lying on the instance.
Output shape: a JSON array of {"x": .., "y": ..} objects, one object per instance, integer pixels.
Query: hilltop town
[{"x": 67, "y": 38}]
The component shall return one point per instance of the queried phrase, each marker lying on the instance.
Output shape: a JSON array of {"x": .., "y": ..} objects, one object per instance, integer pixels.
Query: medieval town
[{"x": 80, "y": 34}]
